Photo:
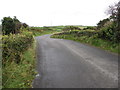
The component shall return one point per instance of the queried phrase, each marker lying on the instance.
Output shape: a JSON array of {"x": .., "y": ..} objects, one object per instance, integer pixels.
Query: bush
[
  {"x": 68, "y": 28},
  {"x": 24, "y": 25},
  {"x": 88, "y": 33},
  {"x": 20, "y": 75},
  {"x": 110, "y": 33},
  {"x": 79, "y": 33},
  {"x": 14, "y": 45},
  {"x": 90, "y": 27}
]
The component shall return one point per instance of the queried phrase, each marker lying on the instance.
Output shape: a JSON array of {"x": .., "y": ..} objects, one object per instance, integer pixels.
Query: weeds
[
  {"x": 20, "y": 75},
  {"x": 18, "y": 60}
]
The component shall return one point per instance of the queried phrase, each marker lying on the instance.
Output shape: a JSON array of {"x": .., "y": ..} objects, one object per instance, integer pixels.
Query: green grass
[
  {"x": 37, "y": 33},
  {"x": 20, "y": 75},
  {"x": 106, "y": 45}
]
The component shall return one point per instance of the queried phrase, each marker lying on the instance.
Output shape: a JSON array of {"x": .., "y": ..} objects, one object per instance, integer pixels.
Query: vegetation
[
  {"x": 24, "y": 25},
  {"x": 11, "y": 25},
  {"x": 102, "y": 23},
  {"x": 68, "y": 28},
  {"x": 18, "y": 60},
  {"x": 89, "y": 37},
  {"x": 90, "y": 28},
  {"x": 20, "y": 75},
  {"x": 106, "y": 35},
  {"x": 18, "y": 54},
  {"x": 38, "y": 31},
  {"x": 15, "y": 45},
  {"x": 109, "y": 28}
]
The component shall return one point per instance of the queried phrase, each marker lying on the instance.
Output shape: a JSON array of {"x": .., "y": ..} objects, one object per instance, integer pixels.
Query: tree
[
  {"x": 118, "y": 15},
  {"x": 111, "y": 31},
  {"x": 8, "y": 25},
  {"x": 115, "y": 13}
]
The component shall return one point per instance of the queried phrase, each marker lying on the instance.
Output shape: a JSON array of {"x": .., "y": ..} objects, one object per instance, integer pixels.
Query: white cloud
[{"x": 56, "y": 12}]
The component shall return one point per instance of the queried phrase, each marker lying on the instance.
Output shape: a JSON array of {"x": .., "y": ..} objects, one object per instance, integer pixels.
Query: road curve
[{"x": 69, "y": 64}]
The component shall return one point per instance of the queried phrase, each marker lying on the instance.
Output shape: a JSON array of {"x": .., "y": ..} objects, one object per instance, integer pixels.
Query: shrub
[
  {"x": 79, "y": 33},
  {"x": 90, "y": 27},
  {"x": 88, "y": 33},
  {"x": 110, "y": 33},
  {"x": 68, "y": 28},
  {"x": 101, "y": 23},
  {"x": 24, "y": 25},
  {"x": 14, "y": 45}
]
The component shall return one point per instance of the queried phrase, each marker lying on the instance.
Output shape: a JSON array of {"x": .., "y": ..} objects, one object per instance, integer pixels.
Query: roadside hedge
[
  {"x": 110, "y": 33},
  {"x": 79, "y": 33},
  {"x": 14, "y": 45}
]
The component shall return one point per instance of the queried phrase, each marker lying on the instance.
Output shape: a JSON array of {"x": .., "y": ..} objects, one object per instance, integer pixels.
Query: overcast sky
[{"x": 56, "y": 12}]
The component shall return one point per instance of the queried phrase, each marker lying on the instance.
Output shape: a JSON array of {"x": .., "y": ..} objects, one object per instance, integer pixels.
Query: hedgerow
[
  {"x": 14, "y": 45},
  {"x": 79, "y": 33},
  {"x": 110, "y": 33}
]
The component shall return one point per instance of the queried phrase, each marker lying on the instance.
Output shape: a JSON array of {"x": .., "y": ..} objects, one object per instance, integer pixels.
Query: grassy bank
[
  {"x": 20, "y": 75},
  {"x": 91, "y": 40}
]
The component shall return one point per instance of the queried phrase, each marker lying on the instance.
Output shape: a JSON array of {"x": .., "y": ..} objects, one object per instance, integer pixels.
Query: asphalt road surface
[{"x": 69, "y": 64}]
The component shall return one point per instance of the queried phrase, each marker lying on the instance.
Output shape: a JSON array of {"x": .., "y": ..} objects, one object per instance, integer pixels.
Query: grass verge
[
  {"x": 106, "y": 45},
  {"x": 20, "y": 75}
]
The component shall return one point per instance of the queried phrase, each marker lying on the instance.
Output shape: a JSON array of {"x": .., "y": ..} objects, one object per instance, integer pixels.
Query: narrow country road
[{"x": 69, "y": 64}]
